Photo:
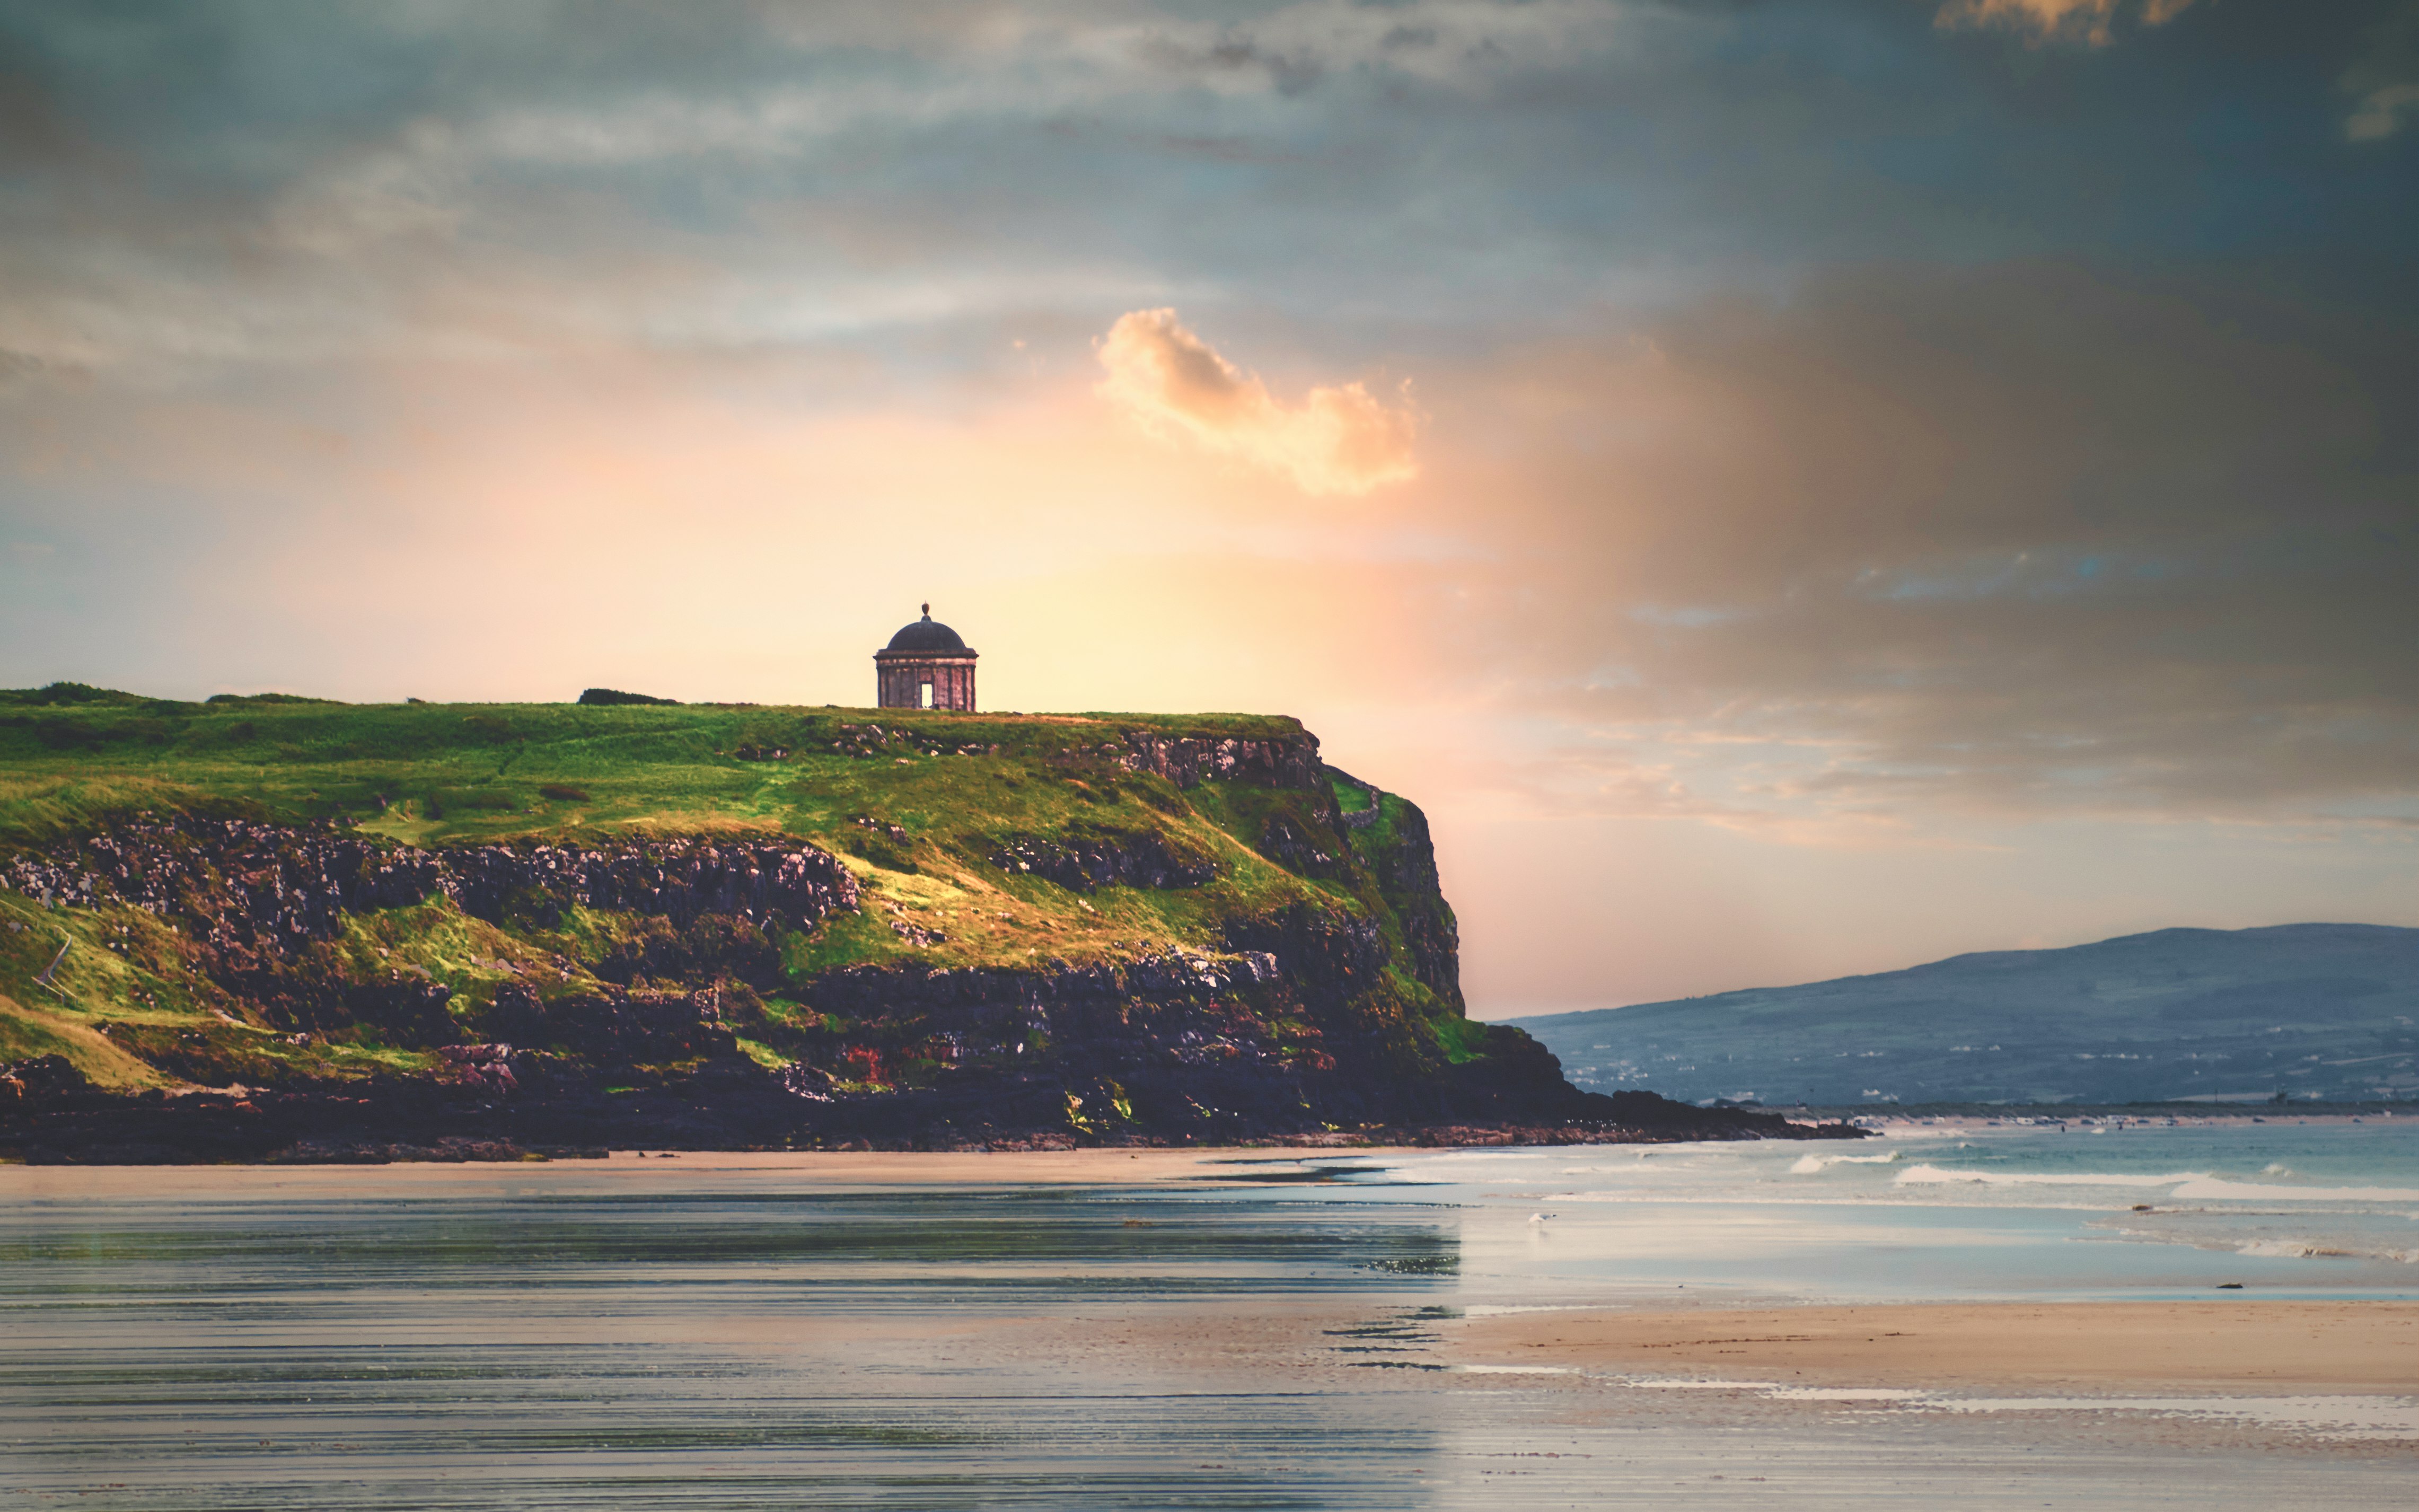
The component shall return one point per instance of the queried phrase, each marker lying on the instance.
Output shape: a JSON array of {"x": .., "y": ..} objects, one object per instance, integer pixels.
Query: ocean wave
[
  {"x": 2188, "y": 1186},
  {"x": 2212, "y": 1188},
  {"x": 2311, "y": 1249},
  {"x": 1808, "y": 1164},
  {"x": 1601, "y": 1170},
  {"x": 1934, "y": 1175}
]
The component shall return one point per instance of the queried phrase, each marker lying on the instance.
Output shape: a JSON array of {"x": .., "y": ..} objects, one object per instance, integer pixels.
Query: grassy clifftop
[
  {"x": 960, "y": 786},
  {"x": 1069, "y": 856}
]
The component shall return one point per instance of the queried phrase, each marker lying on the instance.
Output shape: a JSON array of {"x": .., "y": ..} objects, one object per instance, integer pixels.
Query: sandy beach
[{"x": 2239, "y": 1345}]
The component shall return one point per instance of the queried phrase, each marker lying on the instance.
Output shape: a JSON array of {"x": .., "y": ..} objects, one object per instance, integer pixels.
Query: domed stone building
[{"x": 925, "y": 667}]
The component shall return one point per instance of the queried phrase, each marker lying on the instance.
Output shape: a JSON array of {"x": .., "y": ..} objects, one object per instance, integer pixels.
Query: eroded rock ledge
[
  {"x": 1084, "y": 863},
  {"x": 264, "y": 886}
]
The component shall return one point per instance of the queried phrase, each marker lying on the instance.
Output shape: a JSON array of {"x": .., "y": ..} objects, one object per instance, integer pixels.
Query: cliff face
[{"x": 938, "y": 931}]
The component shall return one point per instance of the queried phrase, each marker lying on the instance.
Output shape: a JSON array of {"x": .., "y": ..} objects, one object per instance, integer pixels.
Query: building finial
[{"x": 928, "y": 612}]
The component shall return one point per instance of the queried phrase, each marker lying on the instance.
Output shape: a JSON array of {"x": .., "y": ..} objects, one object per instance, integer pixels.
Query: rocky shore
[{"x": 526, "y": 1105}]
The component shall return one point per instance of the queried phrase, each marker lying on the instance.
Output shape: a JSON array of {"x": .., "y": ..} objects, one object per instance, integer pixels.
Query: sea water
[
  {"x": 733, "y": 1331},
  {"x": 2105, "y": 1210}
]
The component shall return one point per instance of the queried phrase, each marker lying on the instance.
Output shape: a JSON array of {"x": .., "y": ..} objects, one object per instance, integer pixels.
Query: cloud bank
[
  {"x": 2038, "y": 540},
  {"x": 1340, "y": 440}
]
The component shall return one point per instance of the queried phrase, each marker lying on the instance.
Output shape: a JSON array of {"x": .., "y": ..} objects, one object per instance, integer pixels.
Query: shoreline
[
  {"x": 2250, "y": 1345},
  {"x": 1158, "y": 1165},
  {"x": 2037, "y": 1113},
  {"x": 240, "y": 1127}
]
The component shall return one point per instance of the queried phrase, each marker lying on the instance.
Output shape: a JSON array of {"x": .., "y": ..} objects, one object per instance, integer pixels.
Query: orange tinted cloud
[
  {"x": 1341, "y": 439},
  {"x": 2085, "y": 20}
]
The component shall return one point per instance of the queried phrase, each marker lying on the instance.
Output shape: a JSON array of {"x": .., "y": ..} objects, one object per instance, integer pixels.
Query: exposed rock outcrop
[
  {"x": 1082, "y": 863},
  {"x": 614, "y": 1029},
  {"x": 1291, "y": 763},
  {"x": 265, "y": 886},
  {"x": 41, "y": 1078},
  {"x": 250, "y": 900},
  {"x": 1306, "y": 849},
  {"x": 677, "y": 880}
]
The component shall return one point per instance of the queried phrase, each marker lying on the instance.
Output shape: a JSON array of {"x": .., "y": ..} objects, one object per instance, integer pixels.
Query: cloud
[
  {"x": 198, "y": 195},
  {"x": 1012, "y": 66},
  {"x": 2384, "y": 80},
  {"x": 1460, "y": 44},
  {"x": 2046, "y": 20},
  {"x": 1340, "y": 440},
  {"x": 2035, "y": 539},
  {"x": 2380, "y": 113}
]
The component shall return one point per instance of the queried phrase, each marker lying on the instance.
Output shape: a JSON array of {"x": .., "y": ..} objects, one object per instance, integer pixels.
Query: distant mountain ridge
[{"x": 2313, "y": 1010}]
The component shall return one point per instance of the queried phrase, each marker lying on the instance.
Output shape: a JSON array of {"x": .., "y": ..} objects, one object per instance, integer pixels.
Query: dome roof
[{"x": 927, "y": 634}]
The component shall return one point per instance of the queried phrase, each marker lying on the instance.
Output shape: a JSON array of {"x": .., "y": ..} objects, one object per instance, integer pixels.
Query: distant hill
[{"x": 2322, "y": 1010}]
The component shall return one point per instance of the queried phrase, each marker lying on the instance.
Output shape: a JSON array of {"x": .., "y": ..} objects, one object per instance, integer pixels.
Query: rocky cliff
[{"x": 253, "y": 932}]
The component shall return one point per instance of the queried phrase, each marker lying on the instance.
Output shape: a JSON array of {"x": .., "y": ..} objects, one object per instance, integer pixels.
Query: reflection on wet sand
[
  {"x": 2365, "y": 1347},
  {"x": 742, "y": 1332}
]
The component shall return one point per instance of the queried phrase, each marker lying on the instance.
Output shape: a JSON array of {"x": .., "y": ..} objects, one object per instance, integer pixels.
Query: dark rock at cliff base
[
  {"x": 733, "y": 1104},
  {"x": 1162, "y": 1051}
]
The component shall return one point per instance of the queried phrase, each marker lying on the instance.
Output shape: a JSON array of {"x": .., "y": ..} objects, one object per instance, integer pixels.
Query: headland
[{"x": 285, "y": 927}]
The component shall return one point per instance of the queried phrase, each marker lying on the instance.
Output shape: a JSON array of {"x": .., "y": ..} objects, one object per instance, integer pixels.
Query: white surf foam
[
  {"x": 1808, "y": 1164},
  {"x": 2187, "y": 1186},
  {"x": 1933, "y": 1175}
]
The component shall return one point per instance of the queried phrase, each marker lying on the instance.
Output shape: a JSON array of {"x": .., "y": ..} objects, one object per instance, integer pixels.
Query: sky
[{"x": 1792, "y": 487}]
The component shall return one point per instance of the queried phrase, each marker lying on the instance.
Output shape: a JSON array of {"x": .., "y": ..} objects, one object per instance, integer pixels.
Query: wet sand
[
  {"x": 2243, "y": 1344},
  {"x": 1051, "y": 1330},
  {"x": 835, "y": 1170},
  {"x": 1021, "y": 1167}
]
